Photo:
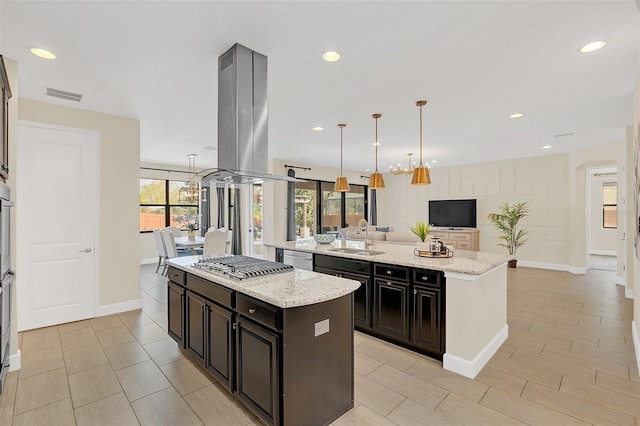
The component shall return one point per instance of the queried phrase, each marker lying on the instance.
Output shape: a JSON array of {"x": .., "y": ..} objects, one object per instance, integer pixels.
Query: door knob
[{"x": 87, "y": 250}]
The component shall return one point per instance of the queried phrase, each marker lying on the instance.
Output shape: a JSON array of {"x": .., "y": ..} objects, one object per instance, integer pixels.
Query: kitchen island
[
  {"x": 453, "y": 309},
  {"x": 281, "y": 343}
]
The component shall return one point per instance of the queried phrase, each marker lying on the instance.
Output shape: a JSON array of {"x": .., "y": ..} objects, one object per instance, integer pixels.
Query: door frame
[{"x": 95, "y": 200}]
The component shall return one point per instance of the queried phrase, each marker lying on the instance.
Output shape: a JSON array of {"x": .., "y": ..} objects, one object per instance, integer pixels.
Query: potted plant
[
  {"x": 506, "y": 222},
  {"x": 421, "y": 229},
  {"x": 191, "y": 228}
]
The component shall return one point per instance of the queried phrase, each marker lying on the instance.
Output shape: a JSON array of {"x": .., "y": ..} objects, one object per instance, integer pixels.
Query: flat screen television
[{"x": 453, "y": 213}]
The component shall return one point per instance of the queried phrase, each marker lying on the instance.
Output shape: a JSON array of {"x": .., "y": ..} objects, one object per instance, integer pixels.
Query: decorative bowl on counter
[{"x": 325, "y": 238}]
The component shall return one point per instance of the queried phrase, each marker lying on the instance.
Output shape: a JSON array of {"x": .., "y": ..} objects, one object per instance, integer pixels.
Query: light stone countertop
[
  {"x": 463, "y": 262},
  {"x": 286, "y": 290}
]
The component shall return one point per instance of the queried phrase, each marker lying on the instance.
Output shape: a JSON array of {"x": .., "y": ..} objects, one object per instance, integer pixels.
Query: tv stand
[{"x": 459, "y": 238}]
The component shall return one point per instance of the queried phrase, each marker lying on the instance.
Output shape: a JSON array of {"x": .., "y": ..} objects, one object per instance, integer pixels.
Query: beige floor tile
[
  {"x": 447, "y": 380},
  {"x": 161, "y": 317},
  {"x": 108, "y": 321},
  {"x": 37, "y": 391},
  {"x": 524, "y": 371},
  {"x": 359, "y": 337},
  {"x": 84, "y": 358},
  {"x": 148, "y": 333},
  {"x": 114, "y": 336},
  {"x": 113, "y": 410},
  {"x": 616, "y": 400},
  {"x": 524, "y": 410},
  {"x": 606, "y": 352},
  {"x": 126, "y": 354},
  {"x": 59, "y": 413},
  {"x": 164, "y": 351},
  {"x": 541, "y": 336},
  {"x": 78, "y": 338},
  {"x": 364, "y": 364},
  {"x": 410, "y": 413},
  {"x": 501, "y": 380},
  {"x": 361, "y": 416},
  {"x": 6, "y": 415},
  {"x": 48, "y": 359},
  {"x": 586, "y": 361},
  {"x": 141, "y": 380},
  {"x": 505, "y": 351},
  {"x": 386, "y": 353},
  {"x": 91, "y": 385},
  {"x": 466, "y": 412},
  {"x": 74, "y": 326},
  {"x": 165, "y": 408},
  {"x": 217, "y": 407},
  {"x": 185, "y": 377},
  {"x": 39, "y": 339},
  {"x": 377, "y": 397},
  {"x": 564, "y": 368},
  {"x": 522, "y": 343},
  {"x": 577, "y": 407},
  {"x": 618, "y": 384},
  {"x": 409, "y": 386},
  {"x": 134, "y": 319},
  {"x": 518, "y": 323},
  {"x": 8, "y": 397}
]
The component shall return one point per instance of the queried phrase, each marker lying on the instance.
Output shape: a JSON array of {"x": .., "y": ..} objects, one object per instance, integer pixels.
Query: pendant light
[
  {"x": 190, "y": 192},
  {"x": 342, "y": 185},
  {"x": 421, "y": 173},
  {"x": 376, "y": 180}
]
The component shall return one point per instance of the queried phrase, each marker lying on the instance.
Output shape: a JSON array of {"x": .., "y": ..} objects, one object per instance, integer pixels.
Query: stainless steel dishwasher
[{"x": 299, "y": 259}]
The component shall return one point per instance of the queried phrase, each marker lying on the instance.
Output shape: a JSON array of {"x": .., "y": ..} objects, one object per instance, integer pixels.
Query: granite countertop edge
[{"x": 285, "y": 290}]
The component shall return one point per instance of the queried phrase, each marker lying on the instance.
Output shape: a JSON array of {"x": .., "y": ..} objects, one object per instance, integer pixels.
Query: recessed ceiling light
[
  {"x": 318, "y": 128},
  {"x": 546, "y": 146},
  {"x": 517, "y": 115},
  {"x": 330, "y": 56},
  {"x": 593, "y": 46},
  {"x": 376, "y": 144},
  {"x": 42, "y": 53}
]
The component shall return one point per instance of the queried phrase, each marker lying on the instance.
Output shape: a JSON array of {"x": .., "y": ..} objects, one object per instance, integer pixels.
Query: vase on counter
[{"x": 191, "y": 235}]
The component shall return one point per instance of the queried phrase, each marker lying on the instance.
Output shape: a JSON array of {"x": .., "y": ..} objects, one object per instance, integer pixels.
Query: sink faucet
[{"x": 364, "y": 223}]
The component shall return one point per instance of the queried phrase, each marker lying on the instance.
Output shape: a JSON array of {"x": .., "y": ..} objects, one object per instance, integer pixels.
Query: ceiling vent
[
  {"x": 57, "y": 93},
  {"x": 565, "y": 135}
]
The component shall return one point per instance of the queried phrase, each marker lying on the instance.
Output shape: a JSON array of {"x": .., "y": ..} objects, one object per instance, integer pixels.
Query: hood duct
[{"x": 243, "y": 120}]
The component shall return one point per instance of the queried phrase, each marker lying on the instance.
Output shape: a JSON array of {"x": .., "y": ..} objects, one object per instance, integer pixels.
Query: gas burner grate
[{"x": 241, "y": 267}]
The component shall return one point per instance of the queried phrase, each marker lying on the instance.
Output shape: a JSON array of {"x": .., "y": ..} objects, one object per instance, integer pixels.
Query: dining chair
[
  {"x": 162, "y": 251},
  {"x": 170, "y": 246},
  {"x": 178, "y": 233},
  {"x": 215, "y": 243}
]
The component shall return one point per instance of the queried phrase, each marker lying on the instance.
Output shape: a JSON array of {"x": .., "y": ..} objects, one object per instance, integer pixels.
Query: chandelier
[
  {"x": 190, "y": 192},
  {"x": 406, "y": 171}
]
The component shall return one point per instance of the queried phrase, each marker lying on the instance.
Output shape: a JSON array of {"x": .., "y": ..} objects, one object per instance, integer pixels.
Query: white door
[{"x": 56, "y": 202}]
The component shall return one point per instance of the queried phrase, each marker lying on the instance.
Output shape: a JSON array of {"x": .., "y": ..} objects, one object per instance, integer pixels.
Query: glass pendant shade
[
  {"x": 342, "y": 184},
  {"x": 376, "y": 181},
  {"x": 421, "y": 173}
]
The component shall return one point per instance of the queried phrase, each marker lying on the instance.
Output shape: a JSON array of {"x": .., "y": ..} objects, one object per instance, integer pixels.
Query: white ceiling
[{"x": 475, "y": 62}]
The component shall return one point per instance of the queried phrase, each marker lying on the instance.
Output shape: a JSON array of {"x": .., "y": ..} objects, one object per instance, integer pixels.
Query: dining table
[{"x": 185, "y": 242}]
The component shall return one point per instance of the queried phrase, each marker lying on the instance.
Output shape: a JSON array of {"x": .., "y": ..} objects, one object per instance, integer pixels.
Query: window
[
  {"x": 161, "y": 205},
  {"x": 610, "y": 205}
]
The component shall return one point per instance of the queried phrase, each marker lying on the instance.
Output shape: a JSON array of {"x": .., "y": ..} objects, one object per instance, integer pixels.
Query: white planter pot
[{"x": 423, "y": 246}]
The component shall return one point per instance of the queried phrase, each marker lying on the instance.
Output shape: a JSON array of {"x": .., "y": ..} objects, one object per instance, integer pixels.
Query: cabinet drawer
[
  {"x": 440, "y": 235},
  {"x": 423, "y": 276},
  {"x": 460, "y": 237},
  {"x": 258, "y": 311},
  {"x": 176, "y": 275},
  {"x": 394, "y": 272},
  {"x": 463, "y": 245},
  {"x": 341, "y": 264},
  {"x": 211, "y": 291}
]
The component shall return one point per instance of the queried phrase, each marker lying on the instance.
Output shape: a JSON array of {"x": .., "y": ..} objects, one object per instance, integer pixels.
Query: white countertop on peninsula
[
  {"x": 463, "y": 261},
  {"x": 285, "y": 290}
]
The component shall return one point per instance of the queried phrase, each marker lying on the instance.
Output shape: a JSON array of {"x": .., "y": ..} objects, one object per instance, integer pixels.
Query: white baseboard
[
  {"x": 552, "y": 266},
  {"x": 149, "y": 261},
  {"x": 636, "y": 342},
  {"x": 604, "y": 252},
  {"x": 471, "y": 369},
  {"x": 15, "y": 361},
  {"x": 116, "y": 308}
]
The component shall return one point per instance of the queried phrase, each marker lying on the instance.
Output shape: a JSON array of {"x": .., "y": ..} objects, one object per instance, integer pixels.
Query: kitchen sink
[{"x": 361, "y": 252}]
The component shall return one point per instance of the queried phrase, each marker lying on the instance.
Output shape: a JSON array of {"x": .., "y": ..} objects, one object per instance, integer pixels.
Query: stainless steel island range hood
[{"x": 243, "y": 120}]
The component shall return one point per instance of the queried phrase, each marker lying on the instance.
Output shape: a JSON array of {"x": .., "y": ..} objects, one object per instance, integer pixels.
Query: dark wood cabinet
[
  {"x": 257, "y": 369},
  {"x": 195, "y": 335},
  {"x": 391, "y": 311},
  {"x": 426, "y": 318},
  {"x": 175, "y": 308}
]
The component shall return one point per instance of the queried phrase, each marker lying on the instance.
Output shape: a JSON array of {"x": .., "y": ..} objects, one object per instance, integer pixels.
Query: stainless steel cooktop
[{"x": 241, "y": 267}]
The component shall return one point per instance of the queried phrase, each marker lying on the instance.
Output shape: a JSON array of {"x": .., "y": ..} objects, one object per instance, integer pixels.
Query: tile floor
[{"x": 569, "y": 360}]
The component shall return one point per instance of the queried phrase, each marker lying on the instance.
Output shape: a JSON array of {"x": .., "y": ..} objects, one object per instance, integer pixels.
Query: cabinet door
[
  {"x": 361, "y": 300},
  {"x": 391, "y": 313},
  {"x": 175, "y": 308},
  {"x": 195, "y": 329},
  {"x": 257, "y": 370},
  {"x": 426, "y": 318},
  {"x": 220, "y": 344}
]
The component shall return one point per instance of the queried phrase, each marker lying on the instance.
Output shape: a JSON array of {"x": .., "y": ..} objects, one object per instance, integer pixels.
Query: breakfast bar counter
[{"x": 453, "y": 308}]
